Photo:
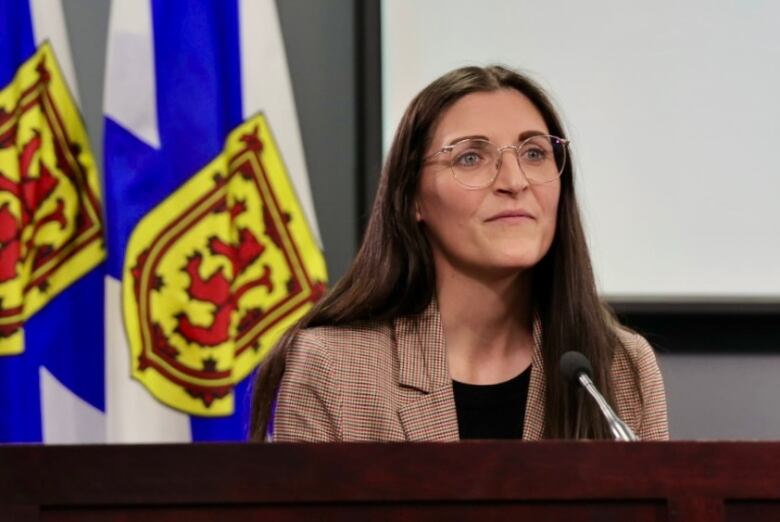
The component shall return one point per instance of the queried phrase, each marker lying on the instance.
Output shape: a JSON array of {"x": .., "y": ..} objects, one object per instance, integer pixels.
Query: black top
[{"x": 492, "y": 411}]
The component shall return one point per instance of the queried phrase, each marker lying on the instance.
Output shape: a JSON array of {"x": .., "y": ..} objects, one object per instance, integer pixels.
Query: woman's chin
[
  {"x": 515, "y": 259},
  {"x": 503, "y": 266}
]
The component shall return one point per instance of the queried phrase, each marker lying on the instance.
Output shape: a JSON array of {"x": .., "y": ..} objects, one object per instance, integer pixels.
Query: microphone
[{"x": 576, "y": 368}]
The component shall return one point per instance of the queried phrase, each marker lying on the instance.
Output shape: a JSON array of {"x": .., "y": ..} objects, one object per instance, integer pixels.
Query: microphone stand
[{"x": 620, "y": 430}]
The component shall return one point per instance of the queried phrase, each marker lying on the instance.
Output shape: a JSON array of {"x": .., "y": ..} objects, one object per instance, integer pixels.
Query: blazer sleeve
[
  {"x": 654, "y": 423},
  {"x": 308, "y": 405}
]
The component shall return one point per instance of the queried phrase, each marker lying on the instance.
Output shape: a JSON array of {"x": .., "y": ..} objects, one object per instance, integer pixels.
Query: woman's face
[{"x": 505, "y": 227}]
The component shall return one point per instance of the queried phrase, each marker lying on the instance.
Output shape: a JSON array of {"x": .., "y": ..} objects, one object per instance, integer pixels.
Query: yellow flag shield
[{"x": 216, "y": 273}]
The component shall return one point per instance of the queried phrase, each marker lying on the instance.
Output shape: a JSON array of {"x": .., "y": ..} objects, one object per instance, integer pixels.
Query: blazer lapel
[
  {"x": 428, "y": 406},
  {"x": 430, "y": 417},
  {"x": 533, "y": 427}
]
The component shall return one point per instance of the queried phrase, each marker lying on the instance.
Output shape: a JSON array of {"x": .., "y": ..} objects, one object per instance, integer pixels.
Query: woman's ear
[{"x": 417, "y": 214}]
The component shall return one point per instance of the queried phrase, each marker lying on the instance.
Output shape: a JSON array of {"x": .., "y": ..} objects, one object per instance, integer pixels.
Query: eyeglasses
[{"x": 475, "y": 162}]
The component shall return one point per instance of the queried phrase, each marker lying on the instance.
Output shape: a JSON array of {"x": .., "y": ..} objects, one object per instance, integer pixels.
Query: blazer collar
[
  {"x": 423, "y": 366},
  {"x": 421, "y": 350},
  {"x": 429, "y": 414}
]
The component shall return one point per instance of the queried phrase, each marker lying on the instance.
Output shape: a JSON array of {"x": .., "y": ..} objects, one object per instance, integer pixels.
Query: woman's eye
[
  {"x": 535, "y": 154},
  {"x": 468, "y": 159}
]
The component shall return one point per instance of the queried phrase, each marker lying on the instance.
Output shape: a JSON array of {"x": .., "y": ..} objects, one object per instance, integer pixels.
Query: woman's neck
[{"x": 487, "y": 324}]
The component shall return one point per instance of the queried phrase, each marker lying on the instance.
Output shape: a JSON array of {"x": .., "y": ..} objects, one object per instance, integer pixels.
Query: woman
[{"x": 472, "y": 280}]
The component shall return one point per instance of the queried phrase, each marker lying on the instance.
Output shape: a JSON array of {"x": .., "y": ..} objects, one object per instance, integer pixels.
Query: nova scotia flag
[
  {"x": 212, "y": 238},
  {"x": 51, "y": 238}
]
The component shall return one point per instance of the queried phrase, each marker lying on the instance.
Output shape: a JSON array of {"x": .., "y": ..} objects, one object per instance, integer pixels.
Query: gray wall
[
  {"x": 734, "y": 396},
  {"x": 710, "y": 396},
  {"x": 318, "y": 37}
]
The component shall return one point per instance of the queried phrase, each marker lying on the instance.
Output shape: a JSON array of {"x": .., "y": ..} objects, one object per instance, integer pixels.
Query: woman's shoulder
[
  {"x": 336, "y": 348},
  {"x": 636, "y": 347},
  {"x": 355, "y": 333},
  {"x": 636, "y": 359},
  {"x": 636, "y": 365},
  {"x": 354, "y": 338},
  {"x": 335, "y": 379}
]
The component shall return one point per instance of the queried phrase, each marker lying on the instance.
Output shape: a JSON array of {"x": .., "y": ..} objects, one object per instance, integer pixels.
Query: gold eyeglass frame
[{"x": 516, "y": 148}]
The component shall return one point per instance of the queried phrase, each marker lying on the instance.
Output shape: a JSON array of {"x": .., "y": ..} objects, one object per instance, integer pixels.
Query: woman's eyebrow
[
  {"x": 529, "y": 134},
  {"x": 474, "y": 137},
  {"x": 521, "y": 137}
]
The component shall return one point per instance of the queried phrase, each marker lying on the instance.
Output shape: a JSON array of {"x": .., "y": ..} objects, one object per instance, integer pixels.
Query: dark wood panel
[
  {"x": 684, "y": 508},
  {"x": 607, "y": 511},
  {"x": 289, "y": 473},
  {"x": 19, "y": 513},
  {"x": 752, "y": 511},
  {"x": 676, "y": 481}
]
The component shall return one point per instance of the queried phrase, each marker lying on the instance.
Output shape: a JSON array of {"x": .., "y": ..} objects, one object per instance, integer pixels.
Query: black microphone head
[{"x": 573, "y": 364}]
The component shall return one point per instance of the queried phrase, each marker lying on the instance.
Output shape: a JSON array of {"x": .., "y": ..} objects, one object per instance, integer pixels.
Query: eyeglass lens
[{"x": 475, "y": 162}]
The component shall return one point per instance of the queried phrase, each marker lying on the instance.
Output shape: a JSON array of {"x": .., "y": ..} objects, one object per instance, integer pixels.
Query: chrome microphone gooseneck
[
  {"x": 620, "y": 430},
  {"x": 576, "y": 368}
]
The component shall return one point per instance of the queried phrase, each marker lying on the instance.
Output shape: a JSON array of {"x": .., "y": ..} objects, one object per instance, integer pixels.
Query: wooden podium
[{"x": 566, "y": 481}]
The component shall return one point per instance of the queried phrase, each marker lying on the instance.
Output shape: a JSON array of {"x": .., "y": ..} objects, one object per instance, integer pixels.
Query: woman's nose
[{"x": 510, "y": 176}]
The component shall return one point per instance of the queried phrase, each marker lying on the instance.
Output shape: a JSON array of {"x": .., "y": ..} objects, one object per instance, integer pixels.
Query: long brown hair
[{"x": 392, "y": 274}]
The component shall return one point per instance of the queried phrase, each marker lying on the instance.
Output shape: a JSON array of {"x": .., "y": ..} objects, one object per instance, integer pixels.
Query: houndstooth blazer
[{"x": 391, "y": 382}]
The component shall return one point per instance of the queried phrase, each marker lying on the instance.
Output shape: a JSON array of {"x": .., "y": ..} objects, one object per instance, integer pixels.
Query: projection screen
[{"x": 673, "y": 111}]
